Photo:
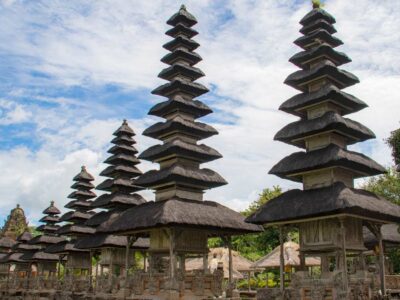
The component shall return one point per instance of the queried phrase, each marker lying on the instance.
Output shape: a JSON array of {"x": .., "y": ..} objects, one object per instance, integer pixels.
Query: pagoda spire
[
  {"x": 180, "y": 155},
  {"x": 80, "y": 206}
]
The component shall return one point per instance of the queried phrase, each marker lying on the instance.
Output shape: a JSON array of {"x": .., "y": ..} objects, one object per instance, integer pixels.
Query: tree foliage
[{"x": 394, "y": 142}]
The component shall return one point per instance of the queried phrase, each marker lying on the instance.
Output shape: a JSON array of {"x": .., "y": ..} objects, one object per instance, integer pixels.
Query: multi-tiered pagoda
[
  {"x": 80, "y": 205},
  {"x": 329, "y": 211},
  {"x": 121, "y": 172},
  {"x": 179, "y": 222},
  {"x": 45, "y": 262}
]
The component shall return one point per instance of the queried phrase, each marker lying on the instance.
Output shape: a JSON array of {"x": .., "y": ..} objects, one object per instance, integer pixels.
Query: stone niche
[
  {"x": 325, "y": 235},
  {"x": 186, "y": 240}
]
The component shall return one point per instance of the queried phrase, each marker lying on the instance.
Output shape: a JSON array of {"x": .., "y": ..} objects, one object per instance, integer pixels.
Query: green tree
[
  {"x": 394, "y": 142},
  {"x": 266, "y": 195}
]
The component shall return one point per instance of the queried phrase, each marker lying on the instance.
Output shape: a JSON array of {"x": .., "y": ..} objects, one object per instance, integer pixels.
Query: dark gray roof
[
  {"x": 7, "y": 243},
  {"x": 82, "y": 194},
  {"x": 26, "y": 236},
  {"x": 112, "y": 171},
  {"x": 181, "y": 29},
  {"x": 63, "y": 247},
  {"x": 185, "y": 175},
  {"x": 318, "y": 36},
  {"x": 126, "y": 184},
  {"x": 51, "y": 210},
  {"x": 101, "y": 240},
  {"x": 178, "y": 103},
  {"x": 74, "y": 215},
  {"x": 83, "y": 175},
  {"x": 390, "y": 236},
  {"x": 115, "y": 199},
  {"x": 330, "y": 121},
  {"x": 39, "y": 256},
  {"x": 325, "y": 68},
  {"x": 317, "y": 14},
  {"x": 45, "y": 239},
  {"x": 182, "y": 16},
  {"x": 124, "y": 129},
  {"x": 181, "y": 41},
  {"x": 302, "y": 58},
  {"x": 102, "y": 217},
  {"x": 206, "y": 215},
  {"x": 317, "y": 24},
  {"x": 71, "y": 229},
  {"x": 178, "y": 68},
  {"x": 13, "y": 258},
  {"x": 348, "y": 103},
  {"x": 179, "y": 147},
  {"x": 192, "y": 88},
  {"x": 329, "y": 156},
  {"x": 336, "y": 199}
]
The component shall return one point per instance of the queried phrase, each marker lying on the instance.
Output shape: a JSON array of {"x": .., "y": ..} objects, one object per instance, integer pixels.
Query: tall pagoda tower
[
  {"x": 329, "y": 211},
  {"x": 15, "y": 224},
  {"x": 80, "y": 205},
  {"x": 122, "y": 194},
  {"x": 46, "y": 262},
  {"x": 179, "y": 222}
]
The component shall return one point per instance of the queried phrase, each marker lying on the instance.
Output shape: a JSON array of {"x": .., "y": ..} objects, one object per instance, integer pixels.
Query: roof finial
[
  {"x": 124, "y": 122},
  {"x": 183, "y": 7},
  {"x": 52, "y": 203},
  {"x": 17, "y": 205},
  {"x": 83, "y": 168},
  {"x": 316, "y": 4}
]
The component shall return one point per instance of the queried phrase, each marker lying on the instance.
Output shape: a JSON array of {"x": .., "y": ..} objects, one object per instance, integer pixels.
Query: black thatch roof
[
  {"x": 317, "y": 14},
  {"x": 23, "y": 247},
  {"x": 342, "y": 78},
  {"x": 101, "y": 240},
  {"x": 124, "y": 129},
  {"x": 328, "y": 93},
  {"x": 390, "y": 236},
  {"x": 74, "y": 204},
  {"x": 102, "y": 217},
  {"x": 7, "y": 243},
  {"x": 63, "y": 247},
  {"x": 13, "y": 258},
  {"x": 181, "y": 29},
  {"x": 178, "y": 68},
  {"x": 71, "y": 229},
  {"x": 181, "y": 42},
  {"x": 24, "y": 237},
  {"x": 201, "y": 153},
  {"x": 182, "y": 17},
  {"x": 329, "y": 156},
  {"x": 74, "y": 215},
  {"x": 190, "y": 88},
  {"x": 178, "y": 103},
  {"x": 303, "y": 58},
  {"x": 127, "y": 184},
  {"x": 328, "y": 201},
  {"x": 83, "y": 175},
  {"x": 116, "y": 198},
  {"x": 49, "y": 219},
  {"x": 317, "y": 24},
  {"x": 206, "y": 215},
  {"x": 316, "y": 37},
  {"x": 47, "y": 228},
  {"x": 45, "y": 239},
  {"x": 185, "y": 175},
  {"x": 39, "y": 256},
  {"x": 114, "y": 171},
  {"x": 82, "y": 185},
  {"x": 51, "y": 210},
  {"x": 330, "y": 121}
]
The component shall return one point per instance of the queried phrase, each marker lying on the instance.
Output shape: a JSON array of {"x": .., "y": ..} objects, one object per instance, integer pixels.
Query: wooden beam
[
  {"x": 281, "y": 259},
  {"x": 344, "y": 257},
  {"x": 376, "y": 230},
  {"x": 230, "y": 261}
]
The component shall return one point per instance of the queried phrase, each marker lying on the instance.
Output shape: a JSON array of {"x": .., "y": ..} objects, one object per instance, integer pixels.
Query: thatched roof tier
[
  {"x": 293, "y": 165},
  {"x": 63, "y": 247},
  {"x": 240, "y": 264},
  {"x": 15, "y": 257},
  {"x": 116, "y": 199},
  {"x": 302, "y": 59},
  {"x": 181, "y": 42},
  {"x": 103, "y": 216},
  {"x": 180, "y": 148},
  {"x": 113, "y": 171},
  {"x": 182, "y": 17},
  {"x": 205, "y": 215},
  {"x": 181, "y": 30},
  {"x": 348, "y": 104},
  {"x": 124, "y": 129},
  {"x": 39, "y": 256},
  {"x": 78, "y": 204},
  {"x": 50, "y": 219},
  {"x": 51, "y": 210},
  {"x": 47, "y": 228},
  {"x": 24, "y": 237},
  {"x": 24, "y": 247},
  {"x": 122, "y": 158},
  {"x": 75, "y": 230},
  {"x": 101, "y": 240},
  {"x": 317, "y": 24},
  {"x": 196, "y": 130},
  {"x": 45, "y": 240},
  {"x": 295, "y": 205},
  {"x": 390, "y": 236},
  {"x": 295, "y": 133},
  {"x": 83, "y": 175},
  {"x": 82, "y": 194},
  {"x": 180, "y": 85},
  {"x": 123, "y": 140},
  {"x": 317, "y": 14},
  {"x": 181, "y": 54},
  {"x": 7, "y": 243},
  {"x": 317, "y": 37},
  {"x": 179, "y": 104},
  {"x": 180, "y": 69},
  {"x": 182, "y": 175},
  {"x": 122, "y": 148},
  {"x": 126, "y": 184},
  {"x": 291, "y": 258},
  {"x": 325, "y": 69},
  {"x": 76, "y": 216}
]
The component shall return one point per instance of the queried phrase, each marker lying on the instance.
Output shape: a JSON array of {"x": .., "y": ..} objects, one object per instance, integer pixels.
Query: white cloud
[{"x": 245, "y": 46}]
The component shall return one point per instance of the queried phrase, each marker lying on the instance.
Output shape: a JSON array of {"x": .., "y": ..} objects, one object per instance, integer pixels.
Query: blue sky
[{"x": 70, "y": 71}]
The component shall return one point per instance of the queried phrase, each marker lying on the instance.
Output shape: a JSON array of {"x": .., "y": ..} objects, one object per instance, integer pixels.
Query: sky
[{"x": 71, "y": 71}]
